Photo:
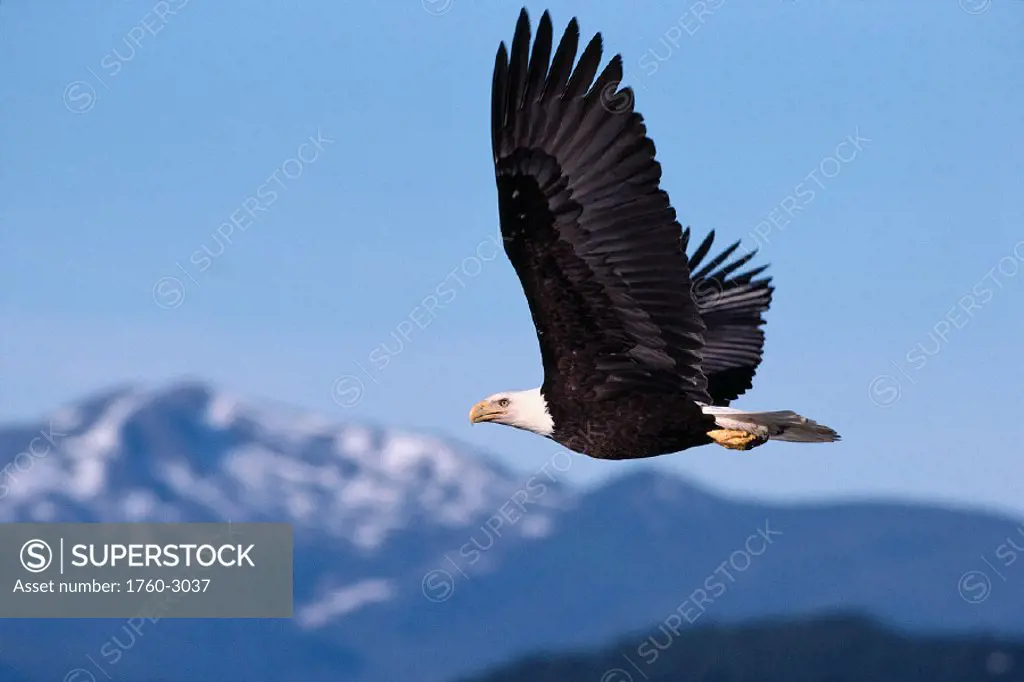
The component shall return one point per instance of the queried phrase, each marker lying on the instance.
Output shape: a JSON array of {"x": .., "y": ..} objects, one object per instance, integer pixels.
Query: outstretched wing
[
  {"x": 588, "y": 230},
  {"x": 732, "y": 307}
]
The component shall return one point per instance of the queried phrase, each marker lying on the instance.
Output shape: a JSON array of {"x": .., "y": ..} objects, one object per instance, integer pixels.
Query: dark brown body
[{"x": 631, "y": 426}]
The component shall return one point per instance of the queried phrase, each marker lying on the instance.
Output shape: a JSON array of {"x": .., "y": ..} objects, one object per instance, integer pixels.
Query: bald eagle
[{"x": 642, "y": 352}]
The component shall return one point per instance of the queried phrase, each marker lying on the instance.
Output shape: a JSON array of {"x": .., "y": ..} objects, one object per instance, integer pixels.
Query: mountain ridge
[{"x": 417, "y": 543}]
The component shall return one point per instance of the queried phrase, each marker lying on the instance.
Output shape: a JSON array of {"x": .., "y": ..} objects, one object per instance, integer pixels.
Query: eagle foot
[{"x": 736, "y": 440}]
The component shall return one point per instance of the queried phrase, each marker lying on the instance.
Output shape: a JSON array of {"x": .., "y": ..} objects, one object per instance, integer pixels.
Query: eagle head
[{"x": 525, "y": 410}]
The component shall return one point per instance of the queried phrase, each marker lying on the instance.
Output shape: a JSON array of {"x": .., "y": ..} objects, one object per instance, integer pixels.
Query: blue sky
[{"x": 134, "y": 130}]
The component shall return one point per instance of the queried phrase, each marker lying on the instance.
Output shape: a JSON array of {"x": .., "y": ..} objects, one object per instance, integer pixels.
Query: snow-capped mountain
[
  {"x": 419, "y": 558},
  {"x": 371, "y": 507},
  {"x": 190, "y": 454}
]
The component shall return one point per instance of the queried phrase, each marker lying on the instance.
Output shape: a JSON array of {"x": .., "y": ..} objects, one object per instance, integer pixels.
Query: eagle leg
[{"x": 736, "y": 440}]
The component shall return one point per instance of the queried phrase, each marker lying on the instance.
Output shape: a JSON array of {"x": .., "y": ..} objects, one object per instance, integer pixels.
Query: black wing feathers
[
  {"x": 733, "y": 308},
  {"x": 589, "y": 232}
]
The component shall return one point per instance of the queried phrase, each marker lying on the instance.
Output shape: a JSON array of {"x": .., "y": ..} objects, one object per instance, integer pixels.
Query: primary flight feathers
[{"x": 732, "y": 307}]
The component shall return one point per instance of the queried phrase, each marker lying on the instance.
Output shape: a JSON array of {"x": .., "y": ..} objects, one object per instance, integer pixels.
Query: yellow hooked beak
[{"x": 484, "y": 411}]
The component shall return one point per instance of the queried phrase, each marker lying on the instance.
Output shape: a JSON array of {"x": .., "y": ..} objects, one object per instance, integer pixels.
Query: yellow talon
[{"x": 736, "y": 440}]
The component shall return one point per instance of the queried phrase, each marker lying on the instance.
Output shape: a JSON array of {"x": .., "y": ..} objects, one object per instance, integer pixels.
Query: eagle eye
[{"x": 504, "y": 402}]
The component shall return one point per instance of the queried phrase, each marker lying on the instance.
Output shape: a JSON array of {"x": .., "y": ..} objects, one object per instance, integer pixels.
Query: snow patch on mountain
[
  {"x": 337, "y": 603},
  {"x": 222, "y": 410},
  {"x": 88, "y": 454}
]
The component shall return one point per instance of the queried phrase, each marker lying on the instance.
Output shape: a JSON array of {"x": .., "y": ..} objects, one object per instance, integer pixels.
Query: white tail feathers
[{"x": 783, "y": 425}]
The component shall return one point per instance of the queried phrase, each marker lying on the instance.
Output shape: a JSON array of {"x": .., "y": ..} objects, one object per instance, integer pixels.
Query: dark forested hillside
[{"x": 827, "y": 649}]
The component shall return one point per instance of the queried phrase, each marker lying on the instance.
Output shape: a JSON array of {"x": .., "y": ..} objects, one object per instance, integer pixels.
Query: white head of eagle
[{"x": 525, "y": 410}]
